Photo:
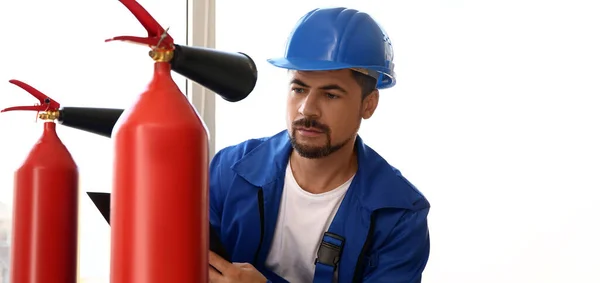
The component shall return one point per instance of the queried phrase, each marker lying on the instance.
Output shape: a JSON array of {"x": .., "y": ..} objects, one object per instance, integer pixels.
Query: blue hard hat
[{"x": 340, "y": 38}]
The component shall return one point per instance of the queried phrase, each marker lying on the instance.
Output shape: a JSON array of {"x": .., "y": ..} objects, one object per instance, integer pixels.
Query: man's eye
[
  {"x": 298, "y": 90},
  {"x": 331, "y": 96}
]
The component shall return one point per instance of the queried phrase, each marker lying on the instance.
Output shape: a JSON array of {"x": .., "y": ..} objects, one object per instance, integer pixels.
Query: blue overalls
[{"x": 379, "y": 233}]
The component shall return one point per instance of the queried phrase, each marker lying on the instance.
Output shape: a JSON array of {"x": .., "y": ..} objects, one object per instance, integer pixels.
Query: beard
[{"x": 314, "y": 152}]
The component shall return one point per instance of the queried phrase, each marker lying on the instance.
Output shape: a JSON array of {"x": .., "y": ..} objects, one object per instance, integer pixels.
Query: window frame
[{"x": 201, "y": 32}]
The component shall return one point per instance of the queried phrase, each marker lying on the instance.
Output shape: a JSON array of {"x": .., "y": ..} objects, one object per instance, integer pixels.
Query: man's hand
[{"x": 232, "y": 272}]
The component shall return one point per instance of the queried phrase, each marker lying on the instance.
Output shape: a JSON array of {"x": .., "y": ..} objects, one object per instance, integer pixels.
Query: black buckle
[{"x": 330, "y": 253}]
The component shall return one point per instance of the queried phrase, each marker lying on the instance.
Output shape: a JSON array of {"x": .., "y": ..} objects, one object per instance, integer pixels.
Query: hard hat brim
[
  {"x": 298, "y": 64},
  {"x": 308, "y": 65}
]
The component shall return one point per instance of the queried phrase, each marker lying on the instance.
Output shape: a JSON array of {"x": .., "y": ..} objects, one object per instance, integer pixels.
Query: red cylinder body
[
  {"x": 159, "y": 203},
  {"x": 45, "y": 213}
]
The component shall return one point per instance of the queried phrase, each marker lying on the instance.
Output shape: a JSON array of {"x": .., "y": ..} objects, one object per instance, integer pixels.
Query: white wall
[{"x": 495, "y": 118}]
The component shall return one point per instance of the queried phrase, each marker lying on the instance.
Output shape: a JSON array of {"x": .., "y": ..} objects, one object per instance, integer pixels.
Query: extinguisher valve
[
  {"x": 158, "y": 38},
  {"x": 49, "y": 115},
  {"x": 161, "y": 55},
  {"x": 47, "y": 105}
]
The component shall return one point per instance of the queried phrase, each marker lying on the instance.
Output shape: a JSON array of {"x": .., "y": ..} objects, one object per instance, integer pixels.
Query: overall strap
[
  {"x": 337, "y": 254},
  {"x": 328, "y": 258}
]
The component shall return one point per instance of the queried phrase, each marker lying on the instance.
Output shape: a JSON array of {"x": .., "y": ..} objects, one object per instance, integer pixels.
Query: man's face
[{"x": 324, "y": 111}]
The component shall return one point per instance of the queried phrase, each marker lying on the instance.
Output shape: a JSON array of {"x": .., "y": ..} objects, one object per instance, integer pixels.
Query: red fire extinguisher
[
  {"x": 159, "y": 202},
  {"x": 45, "y": 211}
]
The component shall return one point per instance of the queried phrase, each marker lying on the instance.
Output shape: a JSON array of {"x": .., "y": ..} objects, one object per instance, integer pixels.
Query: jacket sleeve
[{"x": 403, "y": 256}]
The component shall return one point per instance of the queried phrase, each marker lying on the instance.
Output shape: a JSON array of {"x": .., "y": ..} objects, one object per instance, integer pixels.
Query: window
[
  {"x": 494, "y": 118},
  {"x": 58, "y": 47}
]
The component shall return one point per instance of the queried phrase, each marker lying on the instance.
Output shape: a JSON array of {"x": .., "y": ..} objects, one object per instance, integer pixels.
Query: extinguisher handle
[
  {"x": 45, "y": 103},
  {"x": 157, "y": 36}
]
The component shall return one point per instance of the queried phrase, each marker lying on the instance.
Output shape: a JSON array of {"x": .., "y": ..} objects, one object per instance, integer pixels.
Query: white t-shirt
[{"x": 303, "y": 219}]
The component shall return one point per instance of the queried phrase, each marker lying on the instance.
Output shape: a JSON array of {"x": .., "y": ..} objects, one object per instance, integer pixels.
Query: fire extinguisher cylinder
[
  {"x": 159, "y": 212},
  {"x": 45, "y": 210},
  {"x": 159, "y": 203}
]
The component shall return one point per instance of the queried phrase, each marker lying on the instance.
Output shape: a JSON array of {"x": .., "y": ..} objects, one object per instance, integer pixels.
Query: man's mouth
[{"x": 309, "y": 130}]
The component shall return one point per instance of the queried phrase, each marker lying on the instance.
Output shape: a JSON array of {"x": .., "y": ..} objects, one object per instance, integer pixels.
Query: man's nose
[{"x": 309, "y": 106}]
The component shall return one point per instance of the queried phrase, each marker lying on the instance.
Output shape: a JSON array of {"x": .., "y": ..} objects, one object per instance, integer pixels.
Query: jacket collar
[{"x": 379, "y": 185}]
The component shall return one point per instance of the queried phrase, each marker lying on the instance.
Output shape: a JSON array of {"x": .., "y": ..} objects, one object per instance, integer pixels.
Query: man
[{"x": 313, "y": 203}]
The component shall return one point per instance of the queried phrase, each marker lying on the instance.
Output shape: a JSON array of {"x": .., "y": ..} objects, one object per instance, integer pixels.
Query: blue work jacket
[{"x": 382, "y": 218}]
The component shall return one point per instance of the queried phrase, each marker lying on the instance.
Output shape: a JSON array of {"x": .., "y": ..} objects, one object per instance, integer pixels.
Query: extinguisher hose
[{"x": 100, "y": 121}]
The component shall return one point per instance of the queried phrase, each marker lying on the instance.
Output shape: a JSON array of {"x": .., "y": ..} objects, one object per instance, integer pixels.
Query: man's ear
[{"x": 370, "y": 104}]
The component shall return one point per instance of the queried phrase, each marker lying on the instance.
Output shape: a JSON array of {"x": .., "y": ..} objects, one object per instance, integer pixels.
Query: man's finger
[
  {"x": 214, "y": 276},
  {"x": 218, "y": 262}
]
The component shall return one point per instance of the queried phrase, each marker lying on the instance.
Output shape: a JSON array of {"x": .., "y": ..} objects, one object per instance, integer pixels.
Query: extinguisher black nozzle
[
  {"x": 231, "y": 75},
  {"x": 100, "y": 121}
]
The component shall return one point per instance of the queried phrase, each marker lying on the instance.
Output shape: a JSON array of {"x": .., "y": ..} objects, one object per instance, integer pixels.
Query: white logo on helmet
[{"x": 389, "y": 51}]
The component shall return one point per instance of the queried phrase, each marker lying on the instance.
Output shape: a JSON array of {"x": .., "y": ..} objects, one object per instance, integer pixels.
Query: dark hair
[{"x": 366, "y": 82}]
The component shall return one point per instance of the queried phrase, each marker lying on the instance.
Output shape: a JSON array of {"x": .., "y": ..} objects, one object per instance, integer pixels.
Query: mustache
[{"x": 310, "y": 123}]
